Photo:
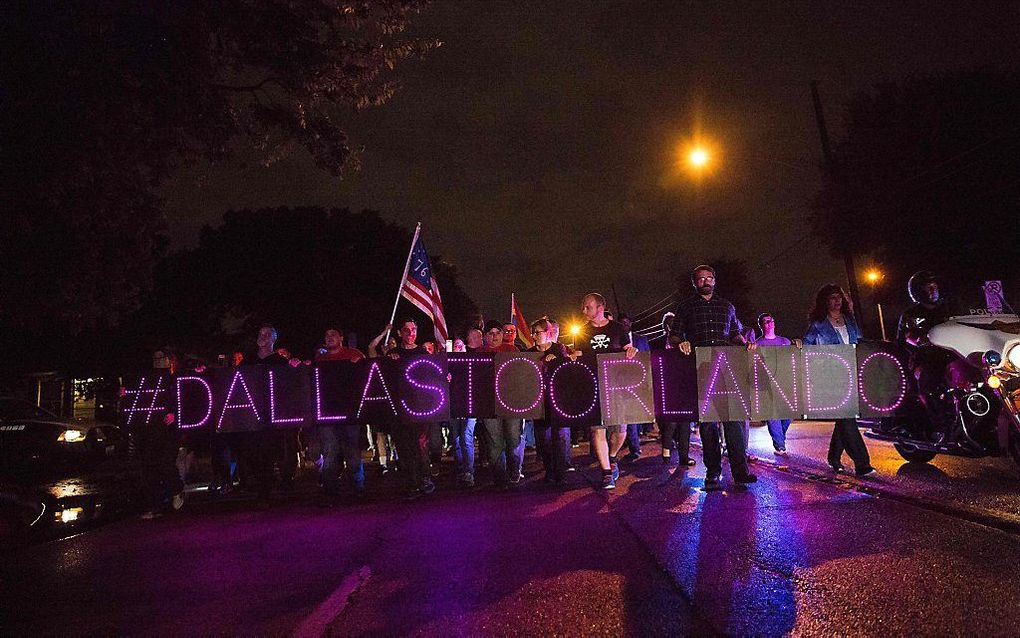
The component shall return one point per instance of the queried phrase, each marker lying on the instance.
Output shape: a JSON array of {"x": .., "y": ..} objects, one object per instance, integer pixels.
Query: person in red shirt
[
  {"x": 340, "y": 439},
  {"x": 503, "y": 435},
  {"x": 335, "y": 350},
  {"x": 510, "y": 334}
]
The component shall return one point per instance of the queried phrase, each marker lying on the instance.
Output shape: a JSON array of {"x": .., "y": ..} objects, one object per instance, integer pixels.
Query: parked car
[{"x": 55, "y": 472}]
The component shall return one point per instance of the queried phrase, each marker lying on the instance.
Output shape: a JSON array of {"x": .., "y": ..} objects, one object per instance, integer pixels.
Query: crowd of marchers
[{"x": 261, "y": 461}]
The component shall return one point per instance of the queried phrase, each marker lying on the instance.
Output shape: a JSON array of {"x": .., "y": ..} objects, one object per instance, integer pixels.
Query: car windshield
[{"x": 15, "y": 409}]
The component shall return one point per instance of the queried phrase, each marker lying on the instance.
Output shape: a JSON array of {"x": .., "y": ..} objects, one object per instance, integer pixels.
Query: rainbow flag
[{"x": 517, "y": 318}]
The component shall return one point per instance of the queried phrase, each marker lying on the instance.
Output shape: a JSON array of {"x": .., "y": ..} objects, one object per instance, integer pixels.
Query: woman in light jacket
[{"x": 832, "y": 323}]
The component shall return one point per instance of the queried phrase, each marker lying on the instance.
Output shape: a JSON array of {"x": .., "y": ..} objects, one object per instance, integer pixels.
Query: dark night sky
[{"x": 538, "y": 145}]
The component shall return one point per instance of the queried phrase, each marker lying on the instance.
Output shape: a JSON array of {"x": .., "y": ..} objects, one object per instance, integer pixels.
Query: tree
[
  {"x": 300, "y": 269},
  {"x": 926, "y": 177},
  {"x": 103, "y": 100}
]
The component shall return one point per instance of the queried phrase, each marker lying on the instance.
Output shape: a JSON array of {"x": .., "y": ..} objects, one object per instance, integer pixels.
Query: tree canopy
[
  {"x": 102, "y": 100},
  {"x": 300, "y": 269},
  {"x": 926, "y": 177}
]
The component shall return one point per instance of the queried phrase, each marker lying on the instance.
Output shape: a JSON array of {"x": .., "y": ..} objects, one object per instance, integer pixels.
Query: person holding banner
[
  {"x": 603, "y": 335},
  {"x": 412, "y": 439},
  {"x": 269, "y": 447},
  {"x": 553, "y": 444},
  {"x": 832, "y": 323},
  {"x": 340, "y": 438},
  {"x": 503, "y": 435},
  {"x": 634, "y": 430},
  {"x": 777, "y": 427},
  {"x": 705, "y": 319}
]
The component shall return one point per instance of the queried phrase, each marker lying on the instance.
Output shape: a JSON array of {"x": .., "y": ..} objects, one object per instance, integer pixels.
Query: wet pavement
[
  {"x": 987, "y": 489},
  {"x": 657, "y": 556}
]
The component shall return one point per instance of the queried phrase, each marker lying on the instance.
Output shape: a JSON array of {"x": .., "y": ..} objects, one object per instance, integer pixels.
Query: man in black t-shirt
[{"x": 601, "y": 335}]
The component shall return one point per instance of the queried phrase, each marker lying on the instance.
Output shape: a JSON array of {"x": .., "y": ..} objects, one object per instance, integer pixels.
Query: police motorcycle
[{"x": 973, "y": 409}]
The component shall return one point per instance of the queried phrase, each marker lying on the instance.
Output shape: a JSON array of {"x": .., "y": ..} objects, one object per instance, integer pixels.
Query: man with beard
[
  {"x": 705, "y": 319},
  {"x": 603, "y": 335}
]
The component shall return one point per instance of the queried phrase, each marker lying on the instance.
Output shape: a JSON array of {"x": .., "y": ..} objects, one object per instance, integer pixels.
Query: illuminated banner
[
  {"x": 713, "y": 384},
  {"x": 625, "y": 389},
  {"x": 784, "y": 382}
]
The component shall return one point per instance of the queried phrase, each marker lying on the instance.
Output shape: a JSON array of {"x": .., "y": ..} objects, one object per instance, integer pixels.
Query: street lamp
[
  {"x": 698, "y": 157},
  {"x": 873, "y": 277},
  {"x": 575, "y": 329}
]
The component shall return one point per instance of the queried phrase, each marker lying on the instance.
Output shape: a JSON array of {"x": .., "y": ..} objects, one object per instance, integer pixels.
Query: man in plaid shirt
[{"x": 708, "y": 320}]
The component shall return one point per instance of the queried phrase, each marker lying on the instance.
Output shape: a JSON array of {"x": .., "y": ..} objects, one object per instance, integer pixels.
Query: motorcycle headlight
[
  {"x": 71, "y": 436},
  {"x": 1013, "y": 356}
]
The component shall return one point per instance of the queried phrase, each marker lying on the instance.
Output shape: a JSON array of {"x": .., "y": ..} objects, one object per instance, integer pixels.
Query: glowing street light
[
  {"x": 873, "y": 276},
  {"x": 698, "y": 157}
]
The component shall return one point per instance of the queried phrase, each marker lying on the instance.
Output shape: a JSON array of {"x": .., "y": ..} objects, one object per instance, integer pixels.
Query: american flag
[{"x": 420, "y": 287}]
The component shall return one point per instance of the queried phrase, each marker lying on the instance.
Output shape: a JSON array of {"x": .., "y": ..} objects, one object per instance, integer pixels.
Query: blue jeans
[
  {"x": 464, "y": 444},
  {"x": 634, "y": 438},
  {"x": 527, "y": 440},
  {"x": 553, "y": 446},
  {"x": 337, "y": 440},
  {"x": 504, "y": 436},
  {"x": 777, "y": 430}
]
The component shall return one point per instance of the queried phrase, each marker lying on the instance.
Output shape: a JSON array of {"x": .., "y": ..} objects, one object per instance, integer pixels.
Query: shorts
[{"x": 622, "y": 429}]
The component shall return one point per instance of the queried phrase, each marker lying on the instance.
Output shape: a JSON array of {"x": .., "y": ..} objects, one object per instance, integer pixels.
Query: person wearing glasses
[
  {"x": 553, "y": 444},
  {"x": 706, "y": 319}
]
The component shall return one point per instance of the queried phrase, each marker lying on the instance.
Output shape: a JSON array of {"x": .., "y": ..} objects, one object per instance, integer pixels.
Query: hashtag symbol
[{"x": 139, "y": 395}]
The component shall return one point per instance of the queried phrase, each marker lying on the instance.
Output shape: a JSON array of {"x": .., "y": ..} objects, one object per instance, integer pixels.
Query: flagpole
[
  {"x": 512, "y": 316},
  {"x": 400, "y": 287}
]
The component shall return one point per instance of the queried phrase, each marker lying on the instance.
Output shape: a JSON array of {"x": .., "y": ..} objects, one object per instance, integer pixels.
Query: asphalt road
[
  {"x": 794, "y": 553},
  {"x": 985, "y": 489}
]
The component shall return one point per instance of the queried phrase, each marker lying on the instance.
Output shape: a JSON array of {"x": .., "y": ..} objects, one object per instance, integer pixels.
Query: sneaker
[
  {"x": 178, "y": 501},
  {"x": 689, "y": 462},
  {"x": 781, "y": 452},
  {"x": 633, "y": 456},
  {"x": 837, "y": 469},
  {"x": 713, "y": 482},
  {"x": 608, "y": 482},
  {"x": 746, "y": 479},
  {"x": 865, "y": 472},
  {"x": 428, "y": 487},
  {"x": 386, "y": 470},
  {"x": 615, "y": 469}
]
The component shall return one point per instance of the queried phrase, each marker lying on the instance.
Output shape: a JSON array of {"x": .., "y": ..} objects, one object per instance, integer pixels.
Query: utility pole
[{"x": 830, "y": 167}]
